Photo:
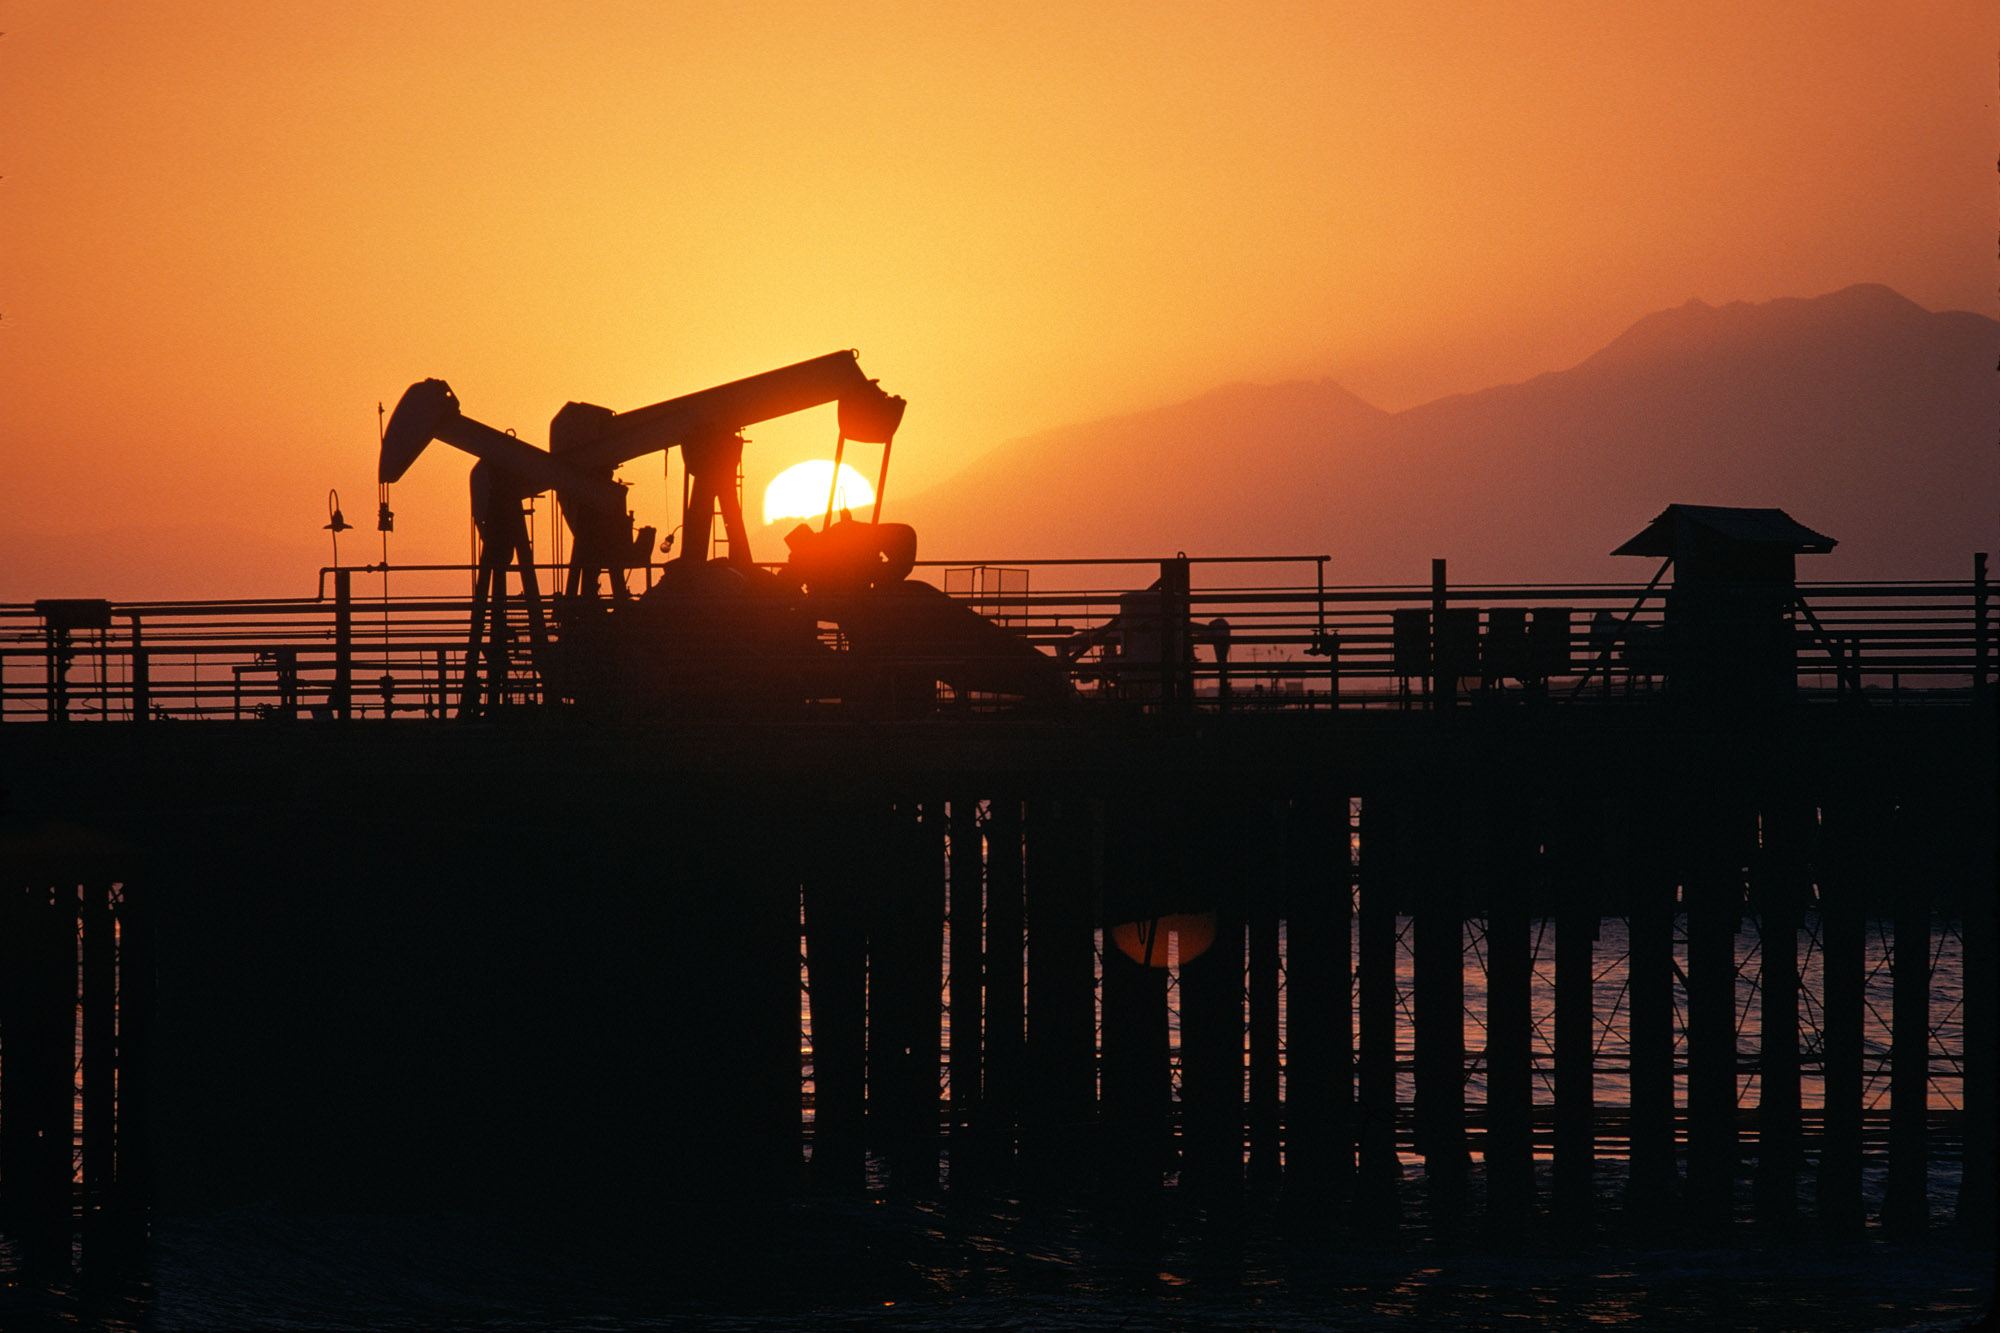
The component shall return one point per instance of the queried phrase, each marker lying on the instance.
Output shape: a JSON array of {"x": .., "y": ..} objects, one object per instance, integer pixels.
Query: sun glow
[{"x": 800, "y": 491}]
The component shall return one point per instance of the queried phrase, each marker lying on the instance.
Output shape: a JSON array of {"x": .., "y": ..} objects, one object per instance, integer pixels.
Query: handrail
[{"x": 1290, "y": 643}]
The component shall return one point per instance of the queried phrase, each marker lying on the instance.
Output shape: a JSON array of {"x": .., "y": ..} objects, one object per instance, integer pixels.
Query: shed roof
[{"x": 1752, "y": 527}]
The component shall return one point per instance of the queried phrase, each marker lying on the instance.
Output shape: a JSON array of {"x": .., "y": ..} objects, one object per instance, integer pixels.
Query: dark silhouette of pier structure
[{"x": 311, "y": 900}]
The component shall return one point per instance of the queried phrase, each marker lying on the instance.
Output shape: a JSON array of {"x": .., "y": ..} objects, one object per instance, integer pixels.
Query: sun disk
[{"x": 800, "y": 491}]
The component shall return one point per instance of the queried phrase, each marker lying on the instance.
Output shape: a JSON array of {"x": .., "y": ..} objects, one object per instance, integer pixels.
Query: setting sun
[{"x": 800, "y": 491}]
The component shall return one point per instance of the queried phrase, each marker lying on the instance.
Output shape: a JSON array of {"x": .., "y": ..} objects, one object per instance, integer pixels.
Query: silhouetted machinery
[{"x": 726, "y": 631}]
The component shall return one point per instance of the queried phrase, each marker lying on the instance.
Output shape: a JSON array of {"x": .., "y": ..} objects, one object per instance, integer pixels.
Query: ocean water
[{"x": 879, "y": 1263}]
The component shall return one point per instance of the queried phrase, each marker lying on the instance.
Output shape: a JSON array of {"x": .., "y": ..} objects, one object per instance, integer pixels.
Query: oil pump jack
[
  {"x": 725, "y": 631},
  {"x": 708, "y": 427}
]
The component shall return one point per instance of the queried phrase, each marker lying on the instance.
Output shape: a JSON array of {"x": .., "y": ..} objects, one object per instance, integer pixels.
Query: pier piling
[
  {"x": 905, "y": 962},
  {"x": 1510, "y": 1074},
  {"x": 1378, "y": 1184},
  {"x": 38, "y": 993},
  {"x": 1653, "y": 1186},
  {"x": 1319, "y": 1032},
  {"x": 837, "y": 971},
  {"x": 1780, "y": 888},
  {"x": 1848, "y": 837},
  {"x": 1431, "y": 851},
  {"x": 965, "y": 932},
  {"x": 1713, "y": 890},
  {"x": 1059, "y": 1073},
  {"x": 1906, "y": 1208},
  {"x": 1005, "y": 1022},
  {"x": 1573, "y": 861}
]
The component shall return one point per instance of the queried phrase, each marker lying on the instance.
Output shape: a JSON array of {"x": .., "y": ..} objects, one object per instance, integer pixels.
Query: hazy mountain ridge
[
  {"x": 1698, "y": 328},
  {"x": 1042, "y": 491},
  {"x": 1863, "y": 414}
]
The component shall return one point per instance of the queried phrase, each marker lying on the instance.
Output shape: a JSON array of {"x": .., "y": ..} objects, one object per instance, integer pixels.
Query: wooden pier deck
[{"x": 303, "y": 902}]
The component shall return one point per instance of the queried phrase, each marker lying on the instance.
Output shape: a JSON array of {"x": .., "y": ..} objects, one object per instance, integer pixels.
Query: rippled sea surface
[{"x": 883, "y": 1264}]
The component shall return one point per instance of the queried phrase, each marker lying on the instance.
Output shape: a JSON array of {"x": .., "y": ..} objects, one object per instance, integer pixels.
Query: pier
[{"x": 1456, "y": 902}]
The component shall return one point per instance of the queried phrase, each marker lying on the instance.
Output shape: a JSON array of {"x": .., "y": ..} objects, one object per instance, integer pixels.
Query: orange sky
[{"x": 230, "y": 230}]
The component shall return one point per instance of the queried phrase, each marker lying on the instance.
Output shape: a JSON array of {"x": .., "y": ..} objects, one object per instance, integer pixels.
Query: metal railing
[{"x": 1240, "y": 633}]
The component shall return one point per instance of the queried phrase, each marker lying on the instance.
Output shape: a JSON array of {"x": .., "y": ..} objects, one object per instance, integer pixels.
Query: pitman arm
[{"x": 596, "y": 440}]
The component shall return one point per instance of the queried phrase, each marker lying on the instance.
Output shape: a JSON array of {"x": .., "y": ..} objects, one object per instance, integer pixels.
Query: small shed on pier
[{"x": 1729, "y": 611}]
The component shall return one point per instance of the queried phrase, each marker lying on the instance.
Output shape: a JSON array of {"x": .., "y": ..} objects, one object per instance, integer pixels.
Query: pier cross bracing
[{"x": 360, "y": 919}]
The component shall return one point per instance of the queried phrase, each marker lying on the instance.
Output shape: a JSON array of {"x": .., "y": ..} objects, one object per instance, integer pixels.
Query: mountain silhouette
[{"x": 1863, "y": 414}]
